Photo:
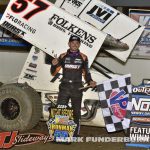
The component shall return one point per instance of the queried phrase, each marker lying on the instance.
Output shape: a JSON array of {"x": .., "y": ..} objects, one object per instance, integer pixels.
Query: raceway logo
[
  {"x": 100, "y": 13},
  {"x": 118, "y": 103},
  {"x": 10, "y": 139}
]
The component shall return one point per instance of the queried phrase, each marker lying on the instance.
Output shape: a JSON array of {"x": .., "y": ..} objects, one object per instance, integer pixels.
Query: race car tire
[
  {"x": 1, "y": 83},
  {"x": 20, "y": 107}
]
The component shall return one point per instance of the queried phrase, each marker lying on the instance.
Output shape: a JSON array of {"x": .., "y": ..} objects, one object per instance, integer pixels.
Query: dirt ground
[{"x": 85, "y": 132}]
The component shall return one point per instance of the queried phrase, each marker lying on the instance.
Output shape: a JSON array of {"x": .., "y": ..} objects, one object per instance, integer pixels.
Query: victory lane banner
[
  {"x": 140, "y": 117},
  {"x": 108, "y": 20},
  {"x": 49, "y": 28},
  {"x": 9, "y": 39},
  {"x": 115, "y": 97}
]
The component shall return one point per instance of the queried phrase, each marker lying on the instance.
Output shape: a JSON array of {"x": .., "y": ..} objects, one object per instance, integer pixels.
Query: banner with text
[{"x": 140, "y": 121}]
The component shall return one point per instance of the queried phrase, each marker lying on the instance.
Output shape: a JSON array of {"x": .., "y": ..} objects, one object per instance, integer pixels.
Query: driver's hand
[
  {"x": 55, "y": 61},
  {"x": 92, "y": 84}
]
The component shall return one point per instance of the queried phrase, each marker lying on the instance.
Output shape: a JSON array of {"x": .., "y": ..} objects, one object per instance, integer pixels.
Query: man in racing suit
[{"x": 73, "y": 64}]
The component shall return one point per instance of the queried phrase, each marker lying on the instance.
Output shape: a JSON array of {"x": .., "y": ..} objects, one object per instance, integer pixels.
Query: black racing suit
[{"x": 73, "y": 66}]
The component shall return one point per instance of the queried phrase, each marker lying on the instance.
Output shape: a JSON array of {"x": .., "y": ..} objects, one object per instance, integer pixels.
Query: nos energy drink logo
[{"x": 118, "y": 103}]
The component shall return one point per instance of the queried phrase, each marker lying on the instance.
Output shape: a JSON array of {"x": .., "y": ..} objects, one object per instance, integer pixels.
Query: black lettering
[
  {"x": 85, "y": 35},
  {"x": 60, "y": 21},
  {"x": 63, "y": 25},
  {"x": 23, "y": 33},
  {"x": 72, "y": 28},
  {"x": 19, "y": 22},
  {"x": 11, "y": 17},
  {"x": 26, "y": 26},
  {"x": 5, "y": 24},
  {"x": 58, "y": 27},
  {"x": 54, "y": 17},
  {"x": 107, "y": 16},
  {"x": 92, "y": 39},
  {"x": 79, "y": 4},
  {"x": 13, "y": 28},
  {"x": 17, "y": 31},
  {"x": 15, "y": 20},
  {"x": 101, "y": 12},
  {"x": 92, "y": 10},
  {"x": 79, "y": 32},
  {"x": 74, "y": 1},
  {"x": 86, "y": 43},
  {"x": 22, "y": 24}
]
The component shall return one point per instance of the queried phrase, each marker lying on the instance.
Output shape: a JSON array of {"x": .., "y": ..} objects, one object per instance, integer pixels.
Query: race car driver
[{"x": 73, "y": 64}]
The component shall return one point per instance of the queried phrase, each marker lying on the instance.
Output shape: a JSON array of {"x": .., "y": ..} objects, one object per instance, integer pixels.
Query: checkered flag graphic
[{"x": 115, "y": 98}]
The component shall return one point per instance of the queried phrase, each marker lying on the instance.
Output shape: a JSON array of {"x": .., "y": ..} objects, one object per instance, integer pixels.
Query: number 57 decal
[{"x": 21, "y": 5}]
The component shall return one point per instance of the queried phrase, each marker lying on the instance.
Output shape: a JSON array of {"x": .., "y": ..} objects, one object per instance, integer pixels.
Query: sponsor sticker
[
  {"x": 100, "y": 12},
  {"x": 32, "y": 65},
  {"x": 13, "y": 29},
  {"x": 75, "y": 3},
  {"x": 34, "y": 57},
  {"x": 71, "y": 29},
  {"x": 29, "y": 76}
]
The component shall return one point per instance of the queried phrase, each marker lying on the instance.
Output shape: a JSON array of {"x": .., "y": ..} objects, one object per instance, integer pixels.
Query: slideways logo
[
  {"x": 100, "y": 13},
  {"x": 10, "y": 139}
]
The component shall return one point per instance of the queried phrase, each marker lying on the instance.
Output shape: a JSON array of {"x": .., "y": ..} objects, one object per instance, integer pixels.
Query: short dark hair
[{"x": 74, "y": 38}]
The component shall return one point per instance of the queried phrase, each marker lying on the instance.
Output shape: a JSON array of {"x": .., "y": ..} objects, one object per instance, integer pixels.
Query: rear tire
[{"x": 20, "y": 107}]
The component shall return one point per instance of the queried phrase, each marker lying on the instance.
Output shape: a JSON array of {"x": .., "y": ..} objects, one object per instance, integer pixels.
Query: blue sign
[{"x": 140, "y": 122}]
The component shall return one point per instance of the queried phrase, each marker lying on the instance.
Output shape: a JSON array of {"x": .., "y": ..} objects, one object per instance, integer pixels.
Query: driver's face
[{"x": 74, "y": 45}]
